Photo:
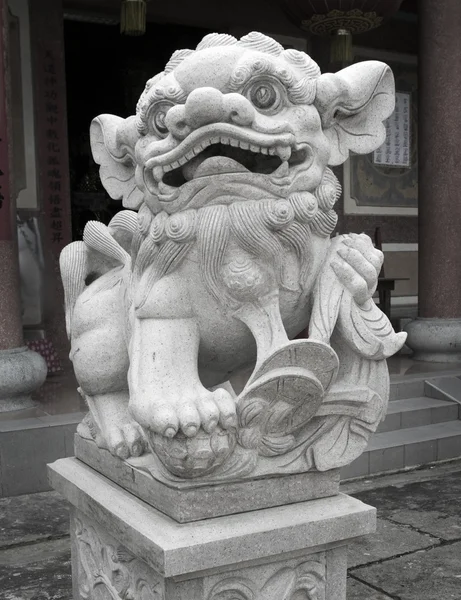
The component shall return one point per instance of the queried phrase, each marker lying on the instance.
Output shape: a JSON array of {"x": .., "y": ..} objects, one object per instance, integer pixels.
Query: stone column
[
  {"x": 21, "y": 371},
  {"x": 436, "y": 334}
]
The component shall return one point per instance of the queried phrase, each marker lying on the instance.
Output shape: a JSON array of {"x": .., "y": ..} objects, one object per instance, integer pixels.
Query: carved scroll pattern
[
  {"x": 108, "y": 570},
  {"x": 306, "y": 581}
]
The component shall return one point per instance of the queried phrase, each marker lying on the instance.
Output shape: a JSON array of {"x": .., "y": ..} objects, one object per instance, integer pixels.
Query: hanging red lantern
[{"x": 340, "y": 19}]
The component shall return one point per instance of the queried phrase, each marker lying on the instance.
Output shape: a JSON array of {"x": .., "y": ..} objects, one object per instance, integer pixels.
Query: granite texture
[
  {"x": 439, "y": 152},
  {"x": 192, "y": 500},
  {"x": 435, "y": 339},
  {"x": 10, "y": 302},
  {"x": 223, "y": 256},
  {"x": 22, "y": 371},
  {"x": 236, "y": 539},
  {"x": 101, "y": 564},
  {"x": 125, "y": 549},
  {"x": 228, "y": 257},
  {"x": 436, "y": 335}
]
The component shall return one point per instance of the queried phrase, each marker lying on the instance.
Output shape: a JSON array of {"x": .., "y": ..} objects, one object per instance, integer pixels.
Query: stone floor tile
[
  {"x": 432, "y": 507},
  {"x": 359, "y": 591},
  {"x": 36, "y": 572},
  {"x": 424, "y": 575},
  {"x": 389, "y": 540},
  {"x": 32, "y": 517}
]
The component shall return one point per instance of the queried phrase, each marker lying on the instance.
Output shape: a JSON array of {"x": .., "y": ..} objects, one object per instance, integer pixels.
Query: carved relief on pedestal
[
  {"x": 107, "y": 570},
  {"x": 227, "y": 163},
  {"x": 295, "y": 581}
]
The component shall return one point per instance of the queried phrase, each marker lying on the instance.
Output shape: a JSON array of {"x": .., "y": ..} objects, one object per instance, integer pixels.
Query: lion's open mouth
[{"x": 223, "y": 155}]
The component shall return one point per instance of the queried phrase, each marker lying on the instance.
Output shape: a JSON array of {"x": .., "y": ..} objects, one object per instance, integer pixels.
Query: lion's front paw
[
  {"x": 185, "y": 411},
  {"x": 116, "y": 432},
  {"x": 125, "y": 440}
]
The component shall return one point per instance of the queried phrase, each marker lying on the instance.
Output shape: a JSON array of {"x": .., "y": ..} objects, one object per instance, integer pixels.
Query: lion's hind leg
[{"x": 93, "y": 275}]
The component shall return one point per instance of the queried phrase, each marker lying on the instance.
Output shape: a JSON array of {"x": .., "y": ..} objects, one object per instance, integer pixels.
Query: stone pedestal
[
  {"x": 21, "y": 372},
  {"x": 123, "y": 548},
  {"x": 435, "y": 340},
  {"x": 436, "y": 335}
]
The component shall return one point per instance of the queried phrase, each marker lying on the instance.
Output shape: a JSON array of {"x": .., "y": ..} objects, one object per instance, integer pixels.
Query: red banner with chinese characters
[{"x": 51, "y": 131}]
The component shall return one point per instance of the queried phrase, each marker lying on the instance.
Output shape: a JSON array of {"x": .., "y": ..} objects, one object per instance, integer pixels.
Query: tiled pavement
[{"x": 415, "y": 554}]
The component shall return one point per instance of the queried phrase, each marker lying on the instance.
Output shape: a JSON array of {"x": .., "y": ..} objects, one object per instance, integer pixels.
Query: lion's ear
[
  {"x": 113, "y": 141},
  {"x": 353, "y": 104}
]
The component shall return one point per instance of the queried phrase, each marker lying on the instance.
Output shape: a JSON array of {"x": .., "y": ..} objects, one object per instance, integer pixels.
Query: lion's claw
[{"x": 186, "y": 412}]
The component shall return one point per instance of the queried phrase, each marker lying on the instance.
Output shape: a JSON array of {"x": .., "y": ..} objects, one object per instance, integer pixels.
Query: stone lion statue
[{"x": 223, "y": 255}]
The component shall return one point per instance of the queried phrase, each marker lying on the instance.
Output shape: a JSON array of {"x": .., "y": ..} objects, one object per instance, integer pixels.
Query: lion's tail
[{"x": 73, "y": 264}]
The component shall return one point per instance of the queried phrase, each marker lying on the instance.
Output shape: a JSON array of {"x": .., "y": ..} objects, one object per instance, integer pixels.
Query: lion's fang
[{"x": 284, "y": 152}]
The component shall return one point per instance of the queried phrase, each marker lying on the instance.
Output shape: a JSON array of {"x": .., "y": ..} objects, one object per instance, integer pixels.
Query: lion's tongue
[{"x": 212, "y": 166}]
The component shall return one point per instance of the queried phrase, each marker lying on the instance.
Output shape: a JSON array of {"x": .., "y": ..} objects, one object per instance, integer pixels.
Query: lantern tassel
[
  {"x": 341, "y": 47},
  {"x": 133, "y": 17}
]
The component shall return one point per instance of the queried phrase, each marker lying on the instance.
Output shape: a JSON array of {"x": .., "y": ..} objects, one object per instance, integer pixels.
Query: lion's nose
[{"x": 204, "y": 106}]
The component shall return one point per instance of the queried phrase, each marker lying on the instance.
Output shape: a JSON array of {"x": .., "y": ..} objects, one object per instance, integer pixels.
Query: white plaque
[{"x": 395, "y": 152}]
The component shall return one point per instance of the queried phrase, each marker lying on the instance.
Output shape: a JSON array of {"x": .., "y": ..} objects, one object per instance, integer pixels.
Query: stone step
[
  {"x": 410, "y": 388},
  {"x": 416, "y": 412},
  {"x": 413, "y": 385},
  {"x": 409, "y": 447}
]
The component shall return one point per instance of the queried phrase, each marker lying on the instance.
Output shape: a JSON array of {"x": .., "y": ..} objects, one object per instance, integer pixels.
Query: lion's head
[
  {"x": 239, "y": 117},
  {"x": 234, "y": 140}
]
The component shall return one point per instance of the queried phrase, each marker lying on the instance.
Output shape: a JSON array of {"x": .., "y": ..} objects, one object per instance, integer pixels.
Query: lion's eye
[
  {"x": 159, "y": 121},
  {"x": 264, "y": 95},
  {"x": 158, "y": 117}
]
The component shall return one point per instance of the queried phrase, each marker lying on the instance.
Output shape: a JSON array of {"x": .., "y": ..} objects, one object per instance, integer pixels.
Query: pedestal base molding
[
  {"x": 435, "y": 340},
  {"x": 192, "y": 500},
  {"x": 123, "y": 548},
  {"x": 21, "y": 372}
]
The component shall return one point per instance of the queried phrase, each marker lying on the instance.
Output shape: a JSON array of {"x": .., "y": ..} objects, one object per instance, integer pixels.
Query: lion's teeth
[
  {"x": 196, "y": 150},
  {"x": 244, "y": 145},
  {"x": 272, "y": 151},
  {"x": 283, "y": 170},
  {"x": 233, "y": 142},
  {"x": 264, "y": 150},
  {"x": 165, "y": 189},
  {"x": 284, "y": 152},
  {"x": 215, "y": 139},
  {"x": 224, "y": 140},
  {"x": 158, "y": 173},
  {"x": 254, "y": 148},
  {"x": 182, "y": 161},
  {"x": 167, "y": 168},
  {"x": 175, "y": 164}
]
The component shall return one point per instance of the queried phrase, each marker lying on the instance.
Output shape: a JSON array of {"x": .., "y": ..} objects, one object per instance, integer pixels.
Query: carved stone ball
[
  {"x": 245, "y": 279},
  {"x": 193, "y": 457}
]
